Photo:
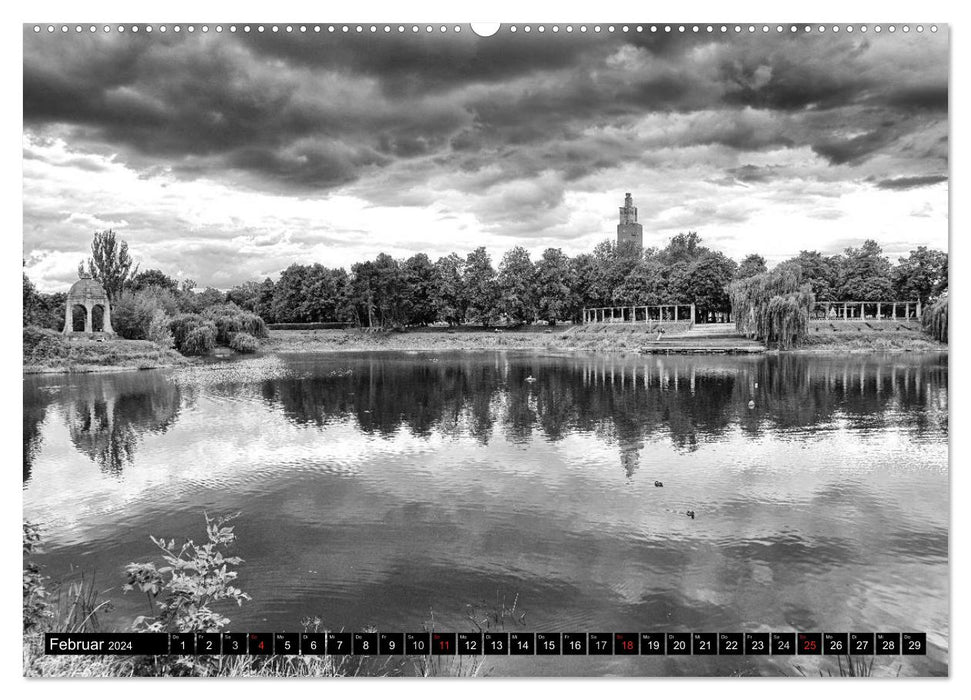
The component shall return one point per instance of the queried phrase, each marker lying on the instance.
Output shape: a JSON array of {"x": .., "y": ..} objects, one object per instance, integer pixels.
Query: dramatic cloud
[
  {"x": 224, "y": 157},
  {"x": 909, "y": 183}
]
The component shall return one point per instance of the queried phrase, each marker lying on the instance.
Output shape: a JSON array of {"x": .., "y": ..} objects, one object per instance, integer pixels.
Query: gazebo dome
[{"x": 87, "y": 288}]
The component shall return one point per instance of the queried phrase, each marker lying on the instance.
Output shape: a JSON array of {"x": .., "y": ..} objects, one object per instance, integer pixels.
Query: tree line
[{"x": 388, "y": 292}]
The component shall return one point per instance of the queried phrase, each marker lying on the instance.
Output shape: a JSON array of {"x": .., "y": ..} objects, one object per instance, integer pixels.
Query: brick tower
[{"x": 628, "y": 230}]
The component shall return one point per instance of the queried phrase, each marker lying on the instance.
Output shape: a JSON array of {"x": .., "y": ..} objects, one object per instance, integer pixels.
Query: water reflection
[
  {"x": 626, "y": 401},
  {"x": 383, "y": 485},
  {"x": 106, "y": 416}
]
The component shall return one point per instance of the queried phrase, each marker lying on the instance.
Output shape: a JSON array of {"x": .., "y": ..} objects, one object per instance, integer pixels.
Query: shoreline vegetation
[
  {"x": 621, "y": 338},
  {"x": 81, "y": 355},
  {"x": 47, "y": 352},
  {"x": 418, "y": 305},
  {"x": 189, "y": 590}
]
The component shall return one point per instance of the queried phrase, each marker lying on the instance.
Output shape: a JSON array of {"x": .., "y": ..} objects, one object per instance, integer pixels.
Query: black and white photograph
[{"x": 486, "y": 350}]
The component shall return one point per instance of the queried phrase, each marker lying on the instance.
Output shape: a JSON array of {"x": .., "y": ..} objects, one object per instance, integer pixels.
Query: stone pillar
[
  {"x": 87, "y": 319},
  {"x": 68, "y": 319},
  {"x": 918, "y": 310},
  {"x": 845, "y": 317},
  {"x": 907, "y": 311},
  {"x": 895, "y": 311},
  {"x": 693, "y": 313},
  {"x": 878, "y": 310},
  {"x": 106, "y": 320}
]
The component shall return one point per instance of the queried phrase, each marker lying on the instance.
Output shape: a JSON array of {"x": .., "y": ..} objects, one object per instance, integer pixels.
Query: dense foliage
[
  {"x": 37, "y": 602},
  {"x": 201, "y": 340},
  {"x": 773, "y": 306},
  {"x": 935, "y": 319},
  {"x": 244, "y": 342},
  {"x": 110, "y": 263},
  {"x": 387, "y": 292},
  {"x": 231, "y": 320},
  {"x": 193, "y": 334},
  {"x": 43, "y": 345}
]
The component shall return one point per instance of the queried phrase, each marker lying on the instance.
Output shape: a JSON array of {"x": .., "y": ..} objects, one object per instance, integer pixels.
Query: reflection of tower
[
  {"x": 630, "y": 454},
  {"x": 628, "y": 230}
]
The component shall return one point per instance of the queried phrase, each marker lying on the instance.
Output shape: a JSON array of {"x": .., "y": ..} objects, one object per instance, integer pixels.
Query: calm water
[{"x": 392, "y": 489}]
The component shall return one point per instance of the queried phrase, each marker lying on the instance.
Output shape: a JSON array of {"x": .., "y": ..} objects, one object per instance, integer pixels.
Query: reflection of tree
[
  {"x": 35, "y": 411},
  {"x": 627, "y": 401},
  {"x": 109, "y": 415}
]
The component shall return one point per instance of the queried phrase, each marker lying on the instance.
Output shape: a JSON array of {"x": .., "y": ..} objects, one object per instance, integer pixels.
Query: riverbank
[
  {"x": 50, "y": 353},
  {"x": 857, "y": 342},
  {"x": 620, "y": 339},
  {"x": 53, "y": 355},
  {"x": 569, "y": 338}
]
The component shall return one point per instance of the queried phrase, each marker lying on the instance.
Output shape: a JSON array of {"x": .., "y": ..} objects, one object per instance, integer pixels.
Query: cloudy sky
[{"x": 226, "y": 157}]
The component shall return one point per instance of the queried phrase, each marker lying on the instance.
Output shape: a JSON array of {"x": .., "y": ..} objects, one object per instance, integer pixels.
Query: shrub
[
  {"x": 37, "y": 604},
  {"x": 200, "y": 341},
  {"x": 230, "y": 320},
  {"x": 244, "y": 342},
  {"x": 42, "y": 345},
  {"x": 189, "y": 342},
  {"x": 132, "y": 313},
  {"x": 158, "y": 331},
  {"x": 182, "y": 593}
]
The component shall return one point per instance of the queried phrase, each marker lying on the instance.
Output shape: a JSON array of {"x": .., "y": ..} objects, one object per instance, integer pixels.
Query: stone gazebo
[{"x": 87, "y": 299}]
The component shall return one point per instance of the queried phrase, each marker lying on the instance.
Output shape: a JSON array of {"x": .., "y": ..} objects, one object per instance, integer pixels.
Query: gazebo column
[
  {"x": 106, "y": 320},
  {"x": 918, "y": 310},
  {"x": 87, "y": 319},
  {"x": 68, "y": 319}
]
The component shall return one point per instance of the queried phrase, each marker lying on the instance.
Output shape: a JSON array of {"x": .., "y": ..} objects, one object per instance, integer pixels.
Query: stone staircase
[
  {"x": 707, "y": 330},
  {"x": 703, "y": 338}
]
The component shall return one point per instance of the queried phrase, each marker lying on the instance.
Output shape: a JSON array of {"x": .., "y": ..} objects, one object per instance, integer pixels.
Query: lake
[{"x": 398, "y": 489}]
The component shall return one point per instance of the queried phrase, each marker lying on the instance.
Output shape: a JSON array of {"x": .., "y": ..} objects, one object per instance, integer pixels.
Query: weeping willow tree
[
  {"x": 773, "y": 306},
  {"x": 934, "y": 319}
]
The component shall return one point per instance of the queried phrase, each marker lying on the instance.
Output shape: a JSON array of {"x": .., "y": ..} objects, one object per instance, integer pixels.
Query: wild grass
[
  {"x": 51, "y": 352},
  {"x": 848, "y": 667},
  {"x": 594, "y": 338},
  {"x": 189, "y": 592},
  {"x": 866, "y": 340}
]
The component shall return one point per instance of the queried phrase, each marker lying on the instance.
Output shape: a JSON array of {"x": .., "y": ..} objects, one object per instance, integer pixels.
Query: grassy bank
[
  {"x": 619, "y": 338},
  {"x": 56, "y": 354},
  {"x": 863, "y": 341}
]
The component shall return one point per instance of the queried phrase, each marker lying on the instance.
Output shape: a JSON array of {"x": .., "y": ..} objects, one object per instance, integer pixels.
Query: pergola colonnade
[
  {"x": 658, "y": 313},
  {"x": 867, "y": 310}
]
